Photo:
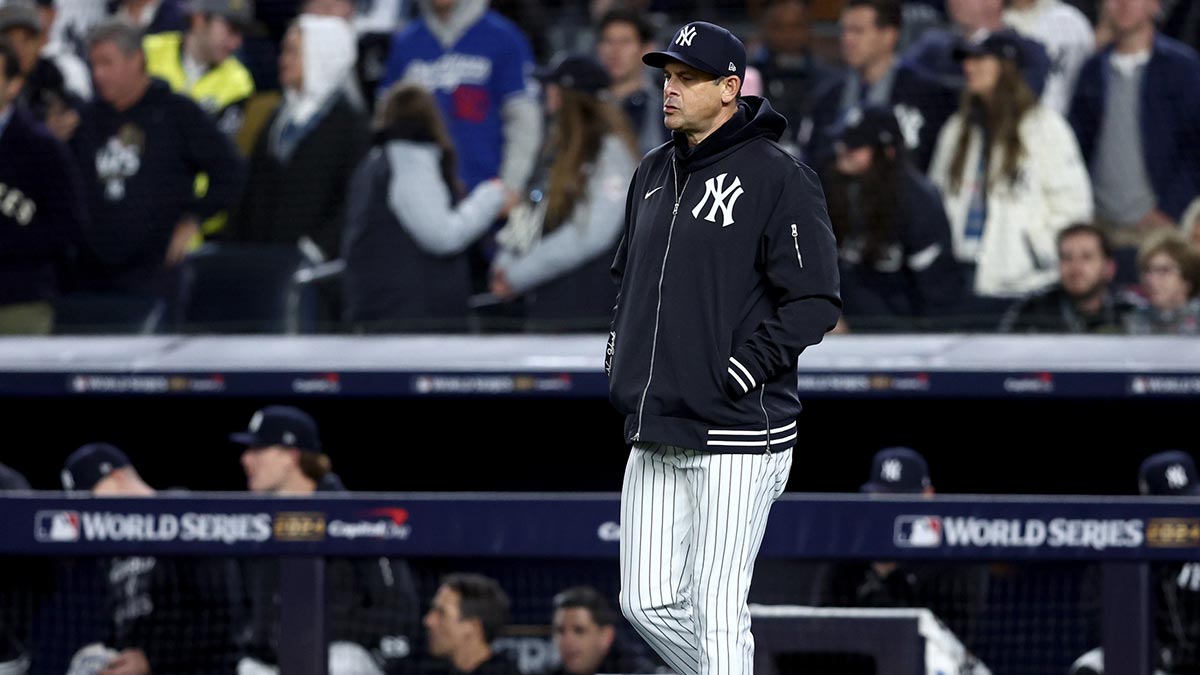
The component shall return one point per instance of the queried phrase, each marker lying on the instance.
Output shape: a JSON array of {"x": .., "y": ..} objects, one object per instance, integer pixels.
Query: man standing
[
  {"x": 1083, "y": 301},
  {"x": 1136, "y": 113},
  {"x": 141, "y": 147},
  {"x": 41, "y": 209},
  {"x": 623, "y": 35},
  {"x": 727, "y": 271}
]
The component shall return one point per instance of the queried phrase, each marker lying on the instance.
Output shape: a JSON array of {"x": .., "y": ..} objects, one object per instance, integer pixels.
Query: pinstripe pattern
[{"x": 691, "y": 526}]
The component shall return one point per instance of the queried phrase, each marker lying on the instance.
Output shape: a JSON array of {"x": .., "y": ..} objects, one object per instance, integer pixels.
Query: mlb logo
[
  {"x": 56, "y": 526},
  {"x": 918, "y": 531}
]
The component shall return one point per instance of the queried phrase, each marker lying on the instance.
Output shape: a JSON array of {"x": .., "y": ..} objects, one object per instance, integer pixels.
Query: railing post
[
  {"x": 303, "y": 645},
  {"x": 1128, "y": 618}
]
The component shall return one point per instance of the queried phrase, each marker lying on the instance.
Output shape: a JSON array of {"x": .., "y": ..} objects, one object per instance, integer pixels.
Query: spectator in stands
[
  {"x": 974, "y": 20},
  {"x": 1083, "y": 300},
  {"x": 876, "y": 76},
  {"x": 42, "y": 210},
  {"x": 406, "y": 229},
  {"x": 1011, "y": 178},
  {"x": 1068, "y": 38},
  {"x": 789, "y": 69},
  {"x": 559, "y": 243},
  {"x": 373, "y": 602},
  {"x": 955, "y": 593},
  {"x": 477, "y": 64},
  {"x": 1171, "y": 473},
  {"x": 150, "y": 16},
  {"x": 467, "y": 614},
  {"x": 141, "y": 147},
  {"x": 585, "y": 635},
  {"x": 1170, "y": 274},
  {"x": 1136, "y": 113},
  {"x": 895, "y": 255},
  {"x": 623, "y": 35},
  {"x": 170, "y": 614},
  {"x": 54, "y": 80},
  {"x": 302, "y": 163},
  {"x": 201, "y": 63}
]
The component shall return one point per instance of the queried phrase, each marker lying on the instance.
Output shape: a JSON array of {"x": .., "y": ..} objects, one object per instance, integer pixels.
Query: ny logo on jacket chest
[{"x": 723, "y": 199}]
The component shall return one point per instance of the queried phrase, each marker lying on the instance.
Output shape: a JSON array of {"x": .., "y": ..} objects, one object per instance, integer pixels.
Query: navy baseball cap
[
  {"x": 88, "y": 465},
  {"x": 703, "y": 46},
  {"x": 1170, "y": 473},
  {"x": 579, "y": 72},
  {"x": 898, "y": 471},
  {"x": 280, "y": 425},
  {"x": 871, "y": 125},
  {"x": 1003, "y": 44}
]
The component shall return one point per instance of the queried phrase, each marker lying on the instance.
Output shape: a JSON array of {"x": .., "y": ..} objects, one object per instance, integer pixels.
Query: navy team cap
[
  {"x": 898, "y": 471},
  {"x": 703, "y": 46},
  {"x": 280, "y": 425},
  {"x": 1169, "y": 473},
  {"x": 88, "y": 465}
]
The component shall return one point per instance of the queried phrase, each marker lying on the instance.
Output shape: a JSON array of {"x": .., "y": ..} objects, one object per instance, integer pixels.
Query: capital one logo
[
  {"x": 723, "y": 199},
  {"x": 686, "y": 36}
]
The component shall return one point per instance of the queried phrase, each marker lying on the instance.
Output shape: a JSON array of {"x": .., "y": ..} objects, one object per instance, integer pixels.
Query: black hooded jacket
[{"x": 727, "y": 271}]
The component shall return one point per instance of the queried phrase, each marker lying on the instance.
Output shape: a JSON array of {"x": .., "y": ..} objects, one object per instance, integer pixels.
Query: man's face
[
  {"x": 691, "y": 98},
  {"x": 218, "y": 39},
  {"x": 863, "y": 41},
  {"x": 268, "y": 469},
  {"x": 1082, "y": 266},
  {"x": 785, "y": 28},
  {"x": 620, "y": 50},
  {"x": 26, "y": 42},
  {"x": 1163, "y": 282},
  {"x": 116, "y": 74},
  {"x": 445, "y": 629},
  {"x": 581, "y": 643},
  {"x": 1127, "y": 16}
]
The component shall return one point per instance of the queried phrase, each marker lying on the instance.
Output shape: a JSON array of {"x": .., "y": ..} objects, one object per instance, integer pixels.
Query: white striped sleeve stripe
[
  {"x": 757, "y": 444},
  {"x": 742, "y": 368},
  {"x": 759, "y": 432},
  {"x": 745, "y": 389}
]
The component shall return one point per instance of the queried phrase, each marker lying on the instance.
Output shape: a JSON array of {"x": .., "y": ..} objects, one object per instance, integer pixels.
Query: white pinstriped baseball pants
[{"x": 691, "y": 526}]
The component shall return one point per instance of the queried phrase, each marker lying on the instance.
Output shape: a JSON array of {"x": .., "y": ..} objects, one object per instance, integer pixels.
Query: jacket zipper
[
  {"x": 658, "y": 309},
  {"x": 796, "y": 243},
  {"x": 762, "y": 389}
]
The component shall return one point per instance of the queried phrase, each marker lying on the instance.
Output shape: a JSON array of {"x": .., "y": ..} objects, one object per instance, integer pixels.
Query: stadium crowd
[{"x": 444, "y": 165}]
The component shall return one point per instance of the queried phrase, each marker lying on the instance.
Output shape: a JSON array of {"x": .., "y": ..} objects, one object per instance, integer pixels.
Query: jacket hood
[{"x": 755, "y": 118}]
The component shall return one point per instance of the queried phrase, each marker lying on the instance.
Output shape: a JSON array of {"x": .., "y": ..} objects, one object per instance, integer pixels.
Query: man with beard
[
  {"x": 1083, "y": 301},
  {"x": 894, "y": 251}
]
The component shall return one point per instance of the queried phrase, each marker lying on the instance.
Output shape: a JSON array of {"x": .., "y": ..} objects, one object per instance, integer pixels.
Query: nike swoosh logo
[{"x": 652, "y": 192}]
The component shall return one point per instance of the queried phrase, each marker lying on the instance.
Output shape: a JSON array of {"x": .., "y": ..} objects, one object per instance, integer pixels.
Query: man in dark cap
[
  {"x": 169, "y": 614},
  {"x": 727, "y": 251},
  {"x": 373, "y": 602},
  {"x": 954, "y": 593}
]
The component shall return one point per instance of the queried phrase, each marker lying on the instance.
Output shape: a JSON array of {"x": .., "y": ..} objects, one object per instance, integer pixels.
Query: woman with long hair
[
  {"x": 559, "y": 243},
  {"x": 894, "y": 251},
  {"x": 406, "y": 229},
  {"x": 1011, "y": 177}
]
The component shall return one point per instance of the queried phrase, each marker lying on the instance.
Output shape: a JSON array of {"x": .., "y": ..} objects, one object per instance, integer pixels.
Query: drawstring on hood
[{"x": 754, "y": 118}]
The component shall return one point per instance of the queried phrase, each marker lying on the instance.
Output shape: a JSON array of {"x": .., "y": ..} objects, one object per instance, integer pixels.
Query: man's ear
[
  {"x": 731, "y": 86},
  {"x": 608, "y": 634}
]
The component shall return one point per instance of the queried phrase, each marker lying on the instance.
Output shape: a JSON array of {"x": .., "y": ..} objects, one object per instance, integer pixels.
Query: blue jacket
[
  {"x": 727, "y": 272},
  {"x": 916, "y": 275},
  {"x": 922, "y": 105},
  {"x": 1169, "y": 119},
  {"x": 42, "y": 209}
]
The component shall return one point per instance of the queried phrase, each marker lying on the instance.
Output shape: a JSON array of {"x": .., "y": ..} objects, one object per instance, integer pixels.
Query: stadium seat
[
  {"x": 245, "y": 288},
  {"x": 94, "y": 313}
]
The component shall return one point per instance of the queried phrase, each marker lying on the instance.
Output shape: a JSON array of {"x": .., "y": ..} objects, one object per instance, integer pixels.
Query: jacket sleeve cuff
[{"x": 741, "y": 377}]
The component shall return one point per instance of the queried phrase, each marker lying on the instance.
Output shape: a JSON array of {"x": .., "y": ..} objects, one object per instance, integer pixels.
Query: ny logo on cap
[
  {"x": 1177, "y": 476},
  {"x": 686, "y": 36},
  {"x": 256, "y": 421},
  {"x": 891, "y": 470}
]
